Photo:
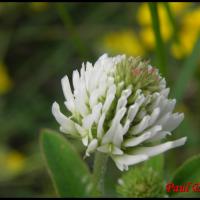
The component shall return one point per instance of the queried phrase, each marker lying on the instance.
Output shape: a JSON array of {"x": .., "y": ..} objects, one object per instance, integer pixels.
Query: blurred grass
[
  {"x": 41, "y": 42},
  {"x": 160, "y": 50},
  {"x": 172, "y": 21},
  {"x": 187, "y": 72}
]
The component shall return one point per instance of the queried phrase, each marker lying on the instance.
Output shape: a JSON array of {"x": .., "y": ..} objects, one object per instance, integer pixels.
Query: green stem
[
  {"x": 159, "y": 42},
  {"x": 100, "y": 163}
]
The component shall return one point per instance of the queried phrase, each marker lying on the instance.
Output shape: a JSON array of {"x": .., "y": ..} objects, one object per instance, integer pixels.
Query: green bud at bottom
[{"x": 141, "y": 182}]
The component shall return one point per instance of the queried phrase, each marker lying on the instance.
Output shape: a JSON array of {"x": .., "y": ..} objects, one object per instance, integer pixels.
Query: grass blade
[
  {"x": 161, "y": 56},
  {"x": 187, "y": 72}
]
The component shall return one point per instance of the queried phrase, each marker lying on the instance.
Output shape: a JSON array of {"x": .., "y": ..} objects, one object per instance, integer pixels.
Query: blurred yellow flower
[
  {"x": 125, "y": 42},
  {"x": 147, "y": 36},
  {"x": 187, "y": 40},
  {"x": 38, "y": 6},
  {"x": 5, "y": 81},
  {"x": 191, "y": 19},
  {"x": 146, "y": 32},
  {"x": 178, "y": 7},
  {"x": 14, "y": 161},
  {"x": 188, "y": 34},
  {"x": 143, "y": 15}
]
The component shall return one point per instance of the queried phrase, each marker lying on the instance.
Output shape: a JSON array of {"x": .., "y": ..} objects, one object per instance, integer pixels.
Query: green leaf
[
  {"x": 156, "y": 162},
  {"x": 69, "y": 173},
  {"x": 187, "y": 72},
  {"x": 188, "y": 172}
]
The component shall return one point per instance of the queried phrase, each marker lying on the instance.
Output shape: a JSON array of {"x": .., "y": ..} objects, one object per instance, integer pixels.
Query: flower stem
[
  {"x": 160, "y": 49},
  {"x": 100, "y": 163}
]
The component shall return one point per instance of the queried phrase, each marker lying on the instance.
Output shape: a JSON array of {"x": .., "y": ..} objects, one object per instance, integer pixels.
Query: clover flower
[{"x": 119, "y": 106}]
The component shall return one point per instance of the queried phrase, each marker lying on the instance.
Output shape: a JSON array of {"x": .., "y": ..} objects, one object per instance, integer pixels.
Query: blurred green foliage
[
  {"x": 41, "y": 42},
  {"x": 69, "y": 173}
]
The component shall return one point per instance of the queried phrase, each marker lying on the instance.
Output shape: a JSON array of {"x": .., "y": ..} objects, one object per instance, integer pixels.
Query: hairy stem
[{"x": 100, "y": 163}]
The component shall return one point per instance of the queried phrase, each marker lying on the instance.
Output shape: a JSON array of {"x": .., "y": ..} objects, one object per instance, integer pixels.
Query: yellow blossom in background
[
  {"x": 143, "y": 15},
  {"x": 147, "y": 36},
  {"x": 39, "y": 6},
  {"x": 14, "y": 161},
  {"x": 188, "y": 27},
  {"x": 125, "y": 42},
  {"x": 146, "y": 32},
  {"x": 188, "y": 34},
  {"x": 5, "y": 80},
  {"x": 192, "y": 19},
  {"x": 179, "y": 7},
  {"x": 187, "y": 40}
]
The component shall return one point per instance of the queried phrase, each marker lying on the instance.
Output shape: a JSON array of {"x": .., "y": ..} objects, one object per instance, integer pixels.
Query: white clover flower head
[{"x": 119, "y": 106}]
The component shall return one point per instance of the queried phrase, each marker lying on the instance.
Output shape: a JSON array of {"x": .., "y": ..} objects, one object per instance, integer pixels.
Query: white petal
[
  {"x": 126, "y": 127},
  {"x": 88, "y": 121},
  {"x": 80, "y": 100},
  {"x": 132, "y": 112},
  {"x": 67, "y": 124},
  {"x": 106, "y": 148},
  {"x": 135, "y": 130},
  {"x": 159, "y": 136},
  {"x": 163, "y": 119},
  {"x": 100, "y": 130},
  {"x": 109, "y": 98},
  {"x": 154, "y": 116},
  {"x": 145, "y": 136},
  {"x": 163, "y": 83},
  {"x": 110, "y": 80},
  {"x": 110, "y": 149},
  {"x": 142, "y": 113},
  {"x": 123, "y": 161},
  {"x": 170, "y": 121},
  {"x": 167, "y": 106},
  {"x": 140, "y": 100},
  {"x": 118, "y": 135},
  {"x": 165, "y": 92},
  {"x": 93, "y": 117},
  {"x": 121, "y": 102},
  {"x": 157, "y": 98},
  {"x": 85, "y": 141},
  {"x": 70, "y": 106},
  {"x": 96, "y": 112},
  {"x": 126, "y": 92},
  {"x": 82, "y": 132},
  {"x": 75, "y": 79},
  {"x": 117, "y": 151},
  {"x": 91, "y": 147},
  {"x": 88, "y": 74},
  {"x": 158, "y": 149},
  {"x": 94, "y": 97},
  {"x": 108, "y": 137},
  {"x": 67, "y": 89}
]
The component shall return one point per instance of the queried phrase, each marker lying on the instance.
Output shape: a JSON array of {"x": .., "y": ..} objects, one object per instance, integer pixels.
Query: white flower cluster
[{"x": 119, "y": 106}]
